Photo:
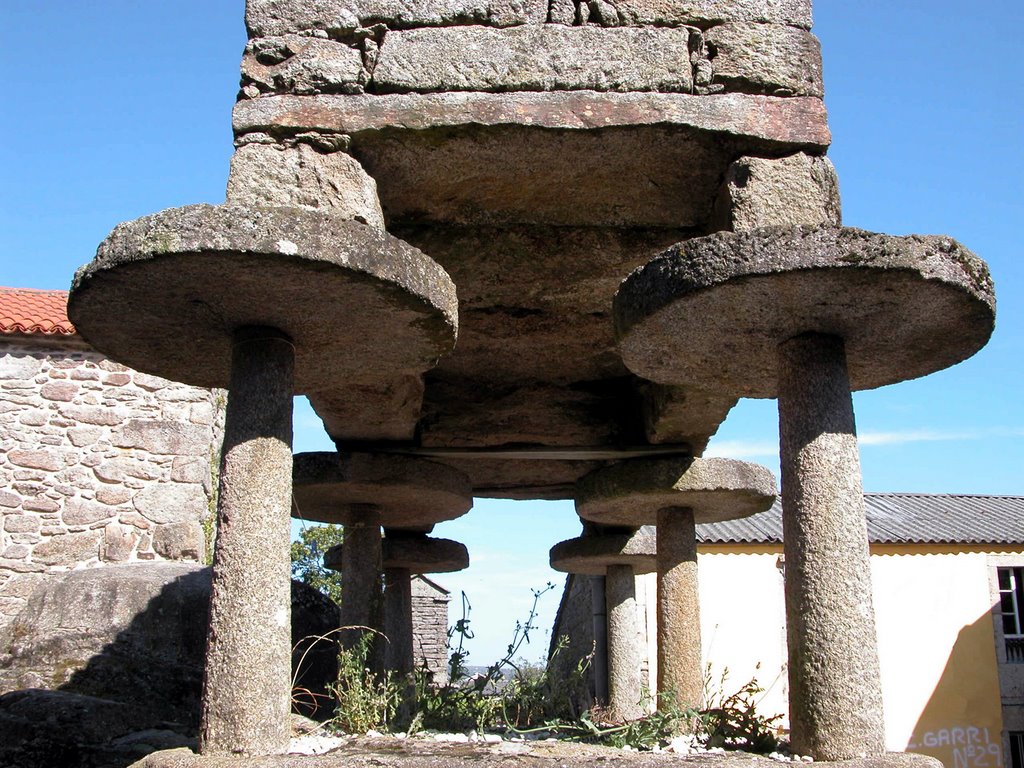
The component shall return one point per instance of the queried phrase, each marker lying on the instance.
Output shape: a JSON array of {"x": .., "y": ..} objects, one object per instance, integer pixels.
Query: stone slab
[
  {"x": 188, "y": 277},
  {"x": 799, "y": 122},
  {"x": 408, "y": 492},
  {"x": 906, "y": 306},
  {"x": 766, "y": 58},
  {"x": 549, "y": 57},
  {"x": 704, "y": 13},
  {"x": 416, "y": 554},
  {"x": 341, "y": 17},
  {"x": 366, "y": 752},
  {"x": 271, "y": 174},
  {"x": 592, "y": 555},
  {"x": 481, "y": 159},
  {"x": 633, "y": 492}
]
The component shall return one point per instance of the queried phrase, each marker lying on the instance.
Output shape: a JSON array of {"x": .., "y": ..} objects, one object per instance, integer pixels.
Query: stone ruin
[{"x": 530, "y": 156}]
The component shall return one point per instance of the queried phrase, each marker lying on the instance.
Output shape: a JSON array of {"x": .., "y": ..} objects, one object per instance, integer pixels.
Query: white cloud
[
  {"x": 743, "y": 449},
  {"x": 935, "y": 435},
  {"x": 752, "y": 449}
]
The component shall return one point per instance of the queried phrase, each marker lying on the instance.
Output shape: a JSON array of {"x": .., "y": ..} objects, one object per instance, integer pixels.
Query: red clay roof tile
[{"x": 26, "y": 310}]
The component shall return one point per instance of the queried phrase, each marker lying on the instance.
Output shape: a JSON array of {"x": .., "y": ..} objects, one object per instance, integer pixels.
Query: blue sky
[{"x": 114, "y": 109}]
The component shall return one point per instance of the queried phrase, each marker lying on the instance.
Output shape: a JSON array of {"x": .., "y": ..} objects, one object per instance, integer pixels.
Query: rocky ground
[{"x": 390, "y": 752}]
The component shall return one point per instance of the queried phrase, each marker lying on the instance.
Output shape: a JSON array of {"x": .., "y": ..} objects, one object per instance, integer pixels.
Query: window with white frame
[{"x": 1011, "y": 607}]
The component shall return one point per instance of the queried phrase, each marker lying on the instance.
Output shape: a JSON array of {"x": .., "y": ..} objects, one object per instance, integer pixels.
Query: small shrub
[
  {"x": 364, "y": 699},
  {"x": 733, "y": 721}
]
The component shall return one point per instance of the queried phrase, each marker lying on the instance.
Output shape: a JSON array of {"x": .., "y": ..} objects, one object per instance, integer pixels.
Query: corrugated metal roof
[{"x": 900, "y": 518}]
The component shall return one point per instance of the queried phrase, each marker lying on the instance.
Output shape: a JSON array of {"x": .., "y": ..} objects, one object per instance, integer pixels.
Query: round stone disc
[
  {"x": 711, "y": 311},
  {"x": 632, "y": 492},
  {"x": 418, "y": 554},
  {"x": 165, "y": 292},
  {"x": 591, "y": 555},
  {"x": 408, "y": 492}
]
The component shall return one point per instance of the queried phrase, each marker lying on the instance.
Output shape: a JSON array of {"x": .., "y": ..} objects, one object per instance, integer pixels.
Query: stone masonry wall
[
  {"x": 307, "y": 59},
  {"x": 98, "y": 464},
  {"x": 308, "y": 47},
  {"x": 575, "y": 622},
  {"x": 430, "y": 628}
]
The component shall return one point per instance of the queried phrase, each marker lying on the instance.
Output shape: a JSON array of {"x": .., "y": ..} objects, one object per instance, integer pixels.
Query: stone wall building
[
  {"x": 98, "y": 463},
  {"x": 948, "y": 576},
  {"x": 430, "y": 626}
]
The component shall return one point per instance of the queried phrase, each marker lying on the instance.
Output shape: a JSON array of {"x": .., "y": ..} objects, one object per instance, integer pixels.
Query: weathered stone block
[
  {"x": 766, "y": 58},
  {"x": 33, "y": 418},
  {"x": 548, "y": 57},
  {"x": 113, "y": 495},
  {"x": 703, "y": 13},
  {"x": 79, "y": 512},
  {"x": 61, "y": 391},
  {"x": 799, "y": 189},
  {"x": 339, "y": 18},
  {"x": 149, "y": 382},
  {"x": 162, "y": 437},
  {"x": 46, "y": 460},
  {"x": 118, "y": 541},
  {"x": 117, "y": 379},
  {"x": 303, "y": 65},
  {"x": 188, "y": 469},
  {"x": 180, "y": 541},
  {"x": 201, "y": 413},
  {"x": 16, "y": 552},
  {"x": 171, "y": 502},
  {"x": 68, "y": 548},
  {"x": 273, "y": 175},
  {"x": 81, "y": 436},
  {"x": 21, "y": 523},
  {"x": 15, "y": 367},
  {"x": 266, "y": 18},
  {"x": 40, "y": 504},
  {"x": 119, "y": 469},
  {"x": 8, "y": 499},
  {"x": 94, "y": 414},
  {"x": 132, "y": 658}
]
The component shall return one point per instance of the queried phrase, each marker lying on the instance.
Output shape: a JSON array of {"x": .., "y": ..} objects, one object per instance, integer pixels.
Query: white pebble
[{"x": 313, "y": 745}]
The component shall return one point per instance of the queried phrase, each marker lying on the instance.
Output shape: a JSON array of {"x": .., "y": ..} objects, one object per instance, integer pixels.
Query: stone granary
[{"x": 536, "y": 152}]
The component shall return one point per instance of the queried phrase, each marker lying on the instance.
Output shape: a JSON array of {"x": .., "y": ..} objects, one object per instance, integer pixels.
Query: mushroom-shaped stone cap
[
  {"x": 166, "y": 292},
  {"x": 418, "y": 554},
  {"x": 711, "y": 311},
  {"x": 408, "y": 492},
  {"x": 591, "y": 555},
  {"x": 632, "y": 492}
]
